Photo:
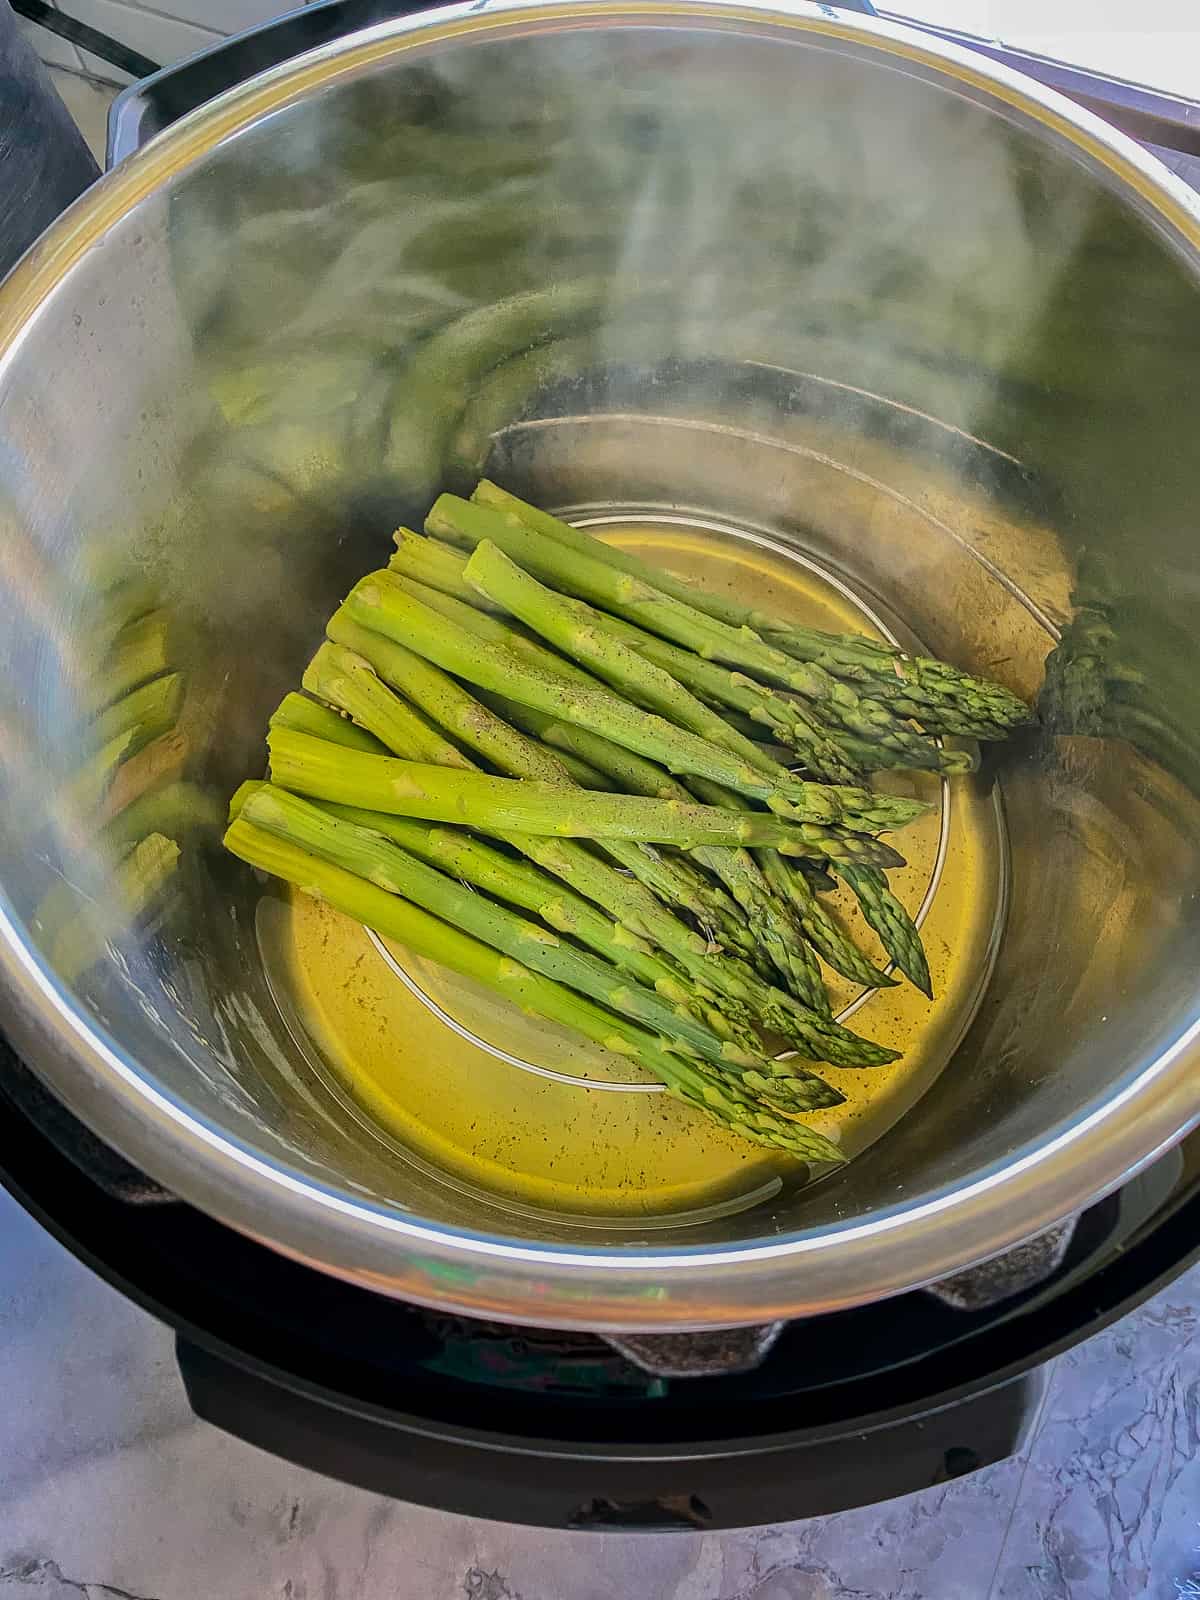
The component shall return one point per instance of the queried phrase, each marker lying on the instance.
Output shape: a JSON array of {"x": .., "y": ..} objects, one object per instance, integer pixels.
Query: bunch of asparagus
[{"x": 614, "y": 799}]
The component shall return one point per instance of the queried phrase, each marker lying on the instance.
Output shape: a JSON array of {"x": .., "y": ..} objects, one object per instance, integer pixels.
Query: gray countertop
[{"x": 111, "y": 1490}]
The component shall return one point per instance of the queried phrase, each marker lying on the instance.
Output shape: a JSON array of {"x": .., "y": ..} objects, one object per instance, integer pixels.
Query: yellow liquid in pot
[{"x": 580, "y": 1153}]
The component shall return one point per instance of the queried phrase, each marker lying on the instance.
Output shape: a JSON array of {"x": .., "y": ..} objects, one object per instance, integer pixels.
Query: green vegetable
[
  {"x": 896, "y": 929},
  {"x": 582, "y": 576},
  {"x": 436, "y": 941},
  {"x": 438, "y": 794},
  {"x": 581, "y": 632},
  {"x": 379, "y": 603},
  {"x": 370, "y": 855},
  {"x": 938, "y": 695}
]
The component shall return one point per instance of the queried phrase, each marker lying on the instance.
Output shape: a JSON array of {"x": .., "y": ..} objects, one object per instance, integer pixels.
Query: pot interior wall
[{"x": 782, "y": 285}]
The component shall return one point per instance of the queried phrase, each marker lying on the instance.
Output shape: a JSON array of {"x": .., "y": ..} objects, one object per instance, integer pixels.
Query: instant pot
[{"x": 925, "y": 322}]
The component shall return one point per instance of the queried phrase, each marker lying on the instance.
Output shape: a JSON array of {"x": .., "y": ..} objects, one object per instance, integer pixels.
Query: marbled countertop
[{"x": 111, "y": 1490}]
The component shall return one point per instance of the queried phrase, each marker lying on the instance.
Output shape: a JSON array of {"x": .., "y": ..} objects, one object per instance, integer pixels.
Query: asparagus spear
[
  {"x": 817, "y": 747},
  {"x": 709, "y": 681},
  {"x": 837, "y": 703},
  {"x": 409, "y": 925},
  {"x": 379, "y": 603},
  {"x": 637, "y": 909},
  {"x": 737, "y": 869},
  {"x": 366, "y": 852},
  {"x": 307, "y": 716},
  {"x": 438, "y": 794},
  {"x": 522, "y": 884},
  {"x": 438, "y": 698},
  {"x": 818, "y": 927},
  {"x": 941, "y": 697},
  {"x": 491, "y": 630},
  {"x": 347, "y": 680},
  {"x": 868, "y": 757},
  {"x": 728, "y": 989},
  {"x": 950, "y": 701},
  {"x": 896, "y": 929},
  {"x": 567, "y": 862},
  {"x": 822, "y": 928},
  {"x": 449, "y": 706},
  {"x": 581, "y": 631},
  {"x": 330, "y": 772},
  {"x": 438, "y": 566},
  {"x": 828, "y": 753}
]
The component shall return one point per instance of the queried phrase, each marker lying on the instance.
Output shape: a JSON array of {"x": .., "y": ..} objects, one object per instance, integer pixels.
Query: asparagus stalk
[
  {"x": 822, "y": 928},
  {"x": 628, "y": 901},
  {"x": 581, "y": 632},
  {"x": 782, "y": 942},
  {"x": 346, "y": 680},
  {"x": 449, "y": 706},
  {"x": 896, "y": 929},
  {"x": 539, "y": 996},
  {"x": 465, "y": 523},
  {"x": 386, "y": 607},
  {"x": 950, "y": 701},
  {"x": 438, "y": 566},
  {"x": 438, "y": 794},
  {"x": 573, "y": 745},
  {"x": 307, "y": 716},
  {"x": 524, "y": 885},
  {"x": 731, "y": 992},
  {"x": 492, "y": 631},
  {"x": 752, "y": 708},
  {"x": 818, "y": 927},
  {"x": 368, "y": 853},
  {"x": 868, "y": 757},
  {"x": 817, "y": 747},
  {"x": 941, "y": 697},
  {"x": 331, "y": 772},
  {"x": 641, "y": 914},
  {"x": 709, "y": 681}
]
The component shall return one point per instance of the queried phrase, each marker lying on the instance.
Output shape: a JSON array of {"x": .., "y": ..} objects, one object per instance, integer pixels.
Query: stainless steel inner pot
[{"x": 810, "y": 277}]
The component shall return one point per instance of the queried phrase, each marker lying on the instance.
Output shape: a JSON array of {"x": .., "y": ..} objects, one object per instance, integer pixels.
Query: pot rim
[{"x": 621, "y": 1287}]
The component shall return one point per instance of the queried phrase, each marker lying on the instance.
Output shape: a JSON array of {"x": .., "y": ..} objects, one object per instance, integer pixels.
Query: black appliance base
[{"x": 558, "y": 1484}]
